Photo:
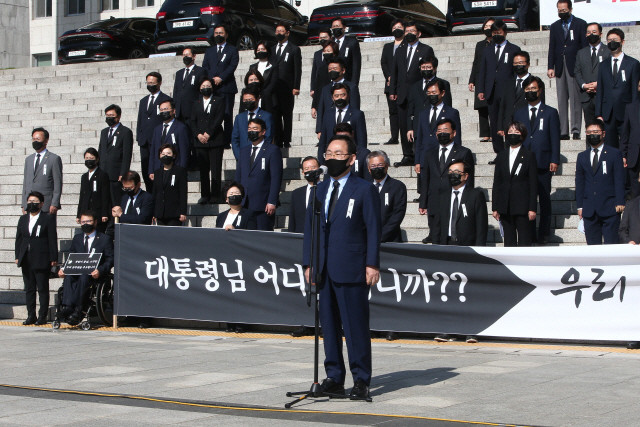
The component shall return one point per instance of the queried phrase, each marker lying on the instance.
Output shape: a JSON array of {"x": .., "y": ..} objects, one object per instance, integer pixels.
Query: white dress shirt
[
  {"x": 523, "y": 79},
  {"x": 155, "y": 98},
  {"x": 593, "y": 152},
  {"x": 344, "y": 112},
  {"x": 91, "y": 173},
  {"x": 413, "y": 51},
  {"x": 132, "y": 201},
  {"x": 231, "y": 217},
  {"x": 513, "y": 155},
  {"x": 439, "y": 108},
  {"x": 537, "y": 107},
  {"x": 495, "y": 50},
  {"x": 205, "y": 103},
  {"x": 42, "y": 153},
  {"x": 90, "y": 241},
  {"x": 447, "y": 152},
  {"x": 32, "y": 221},
  {"x": 343, "y": 182},
  {"x": 619, "y": 58},
  {"x": 460, "y": 190},
  {"x": 188, "y": 71},
  {"x": 381, "y": 183},
  {"x": 339, "y": 41},
  {"x": 169, "y": 127},
  {"x": 262, "y": 65}
]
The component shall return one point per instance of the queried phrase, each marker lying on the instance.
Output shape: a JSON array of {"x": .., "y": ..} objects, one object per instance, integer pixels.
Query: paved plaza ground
[{"x": 202, "y": 378}]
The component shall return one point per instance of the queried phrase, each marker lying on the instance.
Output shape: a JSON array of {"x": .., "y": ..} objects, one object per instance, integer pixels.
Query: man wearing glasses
[{"x": 349, "y": 262}]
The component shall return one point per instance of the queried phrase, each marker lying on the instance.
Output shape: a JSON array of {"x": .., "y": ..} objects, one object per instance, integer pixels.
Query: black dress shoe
[
  {"x": 392, "y": 336},
  {"x": 427, "y": 239},
  {"x": 240, "y": 329},
  {"x": 633, "y": 345},
  {"x": 213, "y": 201},
  {"x": 203, "y": 200},
  {"x": 287, "y": 145},
  {"x": 231, "y": 327},
  {"x": 75, "y": 318},
  {"x": 144, "y": 325},
  {"x": 391, "y": 142},
  {"x": 492, "y": 162},
  {"x": 41, "y": 321},
  {"x": 564, "y": 137},
  {"x": 30, "y": 321},
  {"x": 329, "y": 385},
  {"x": 360, "y": 389},
  {"x": 576, "y": 137},
  {"x": 406, "y": 161},
  {"x": 416, "y": 200},
  {"x": 542, "y": 240},
  {"x": 302, "y": 331}
]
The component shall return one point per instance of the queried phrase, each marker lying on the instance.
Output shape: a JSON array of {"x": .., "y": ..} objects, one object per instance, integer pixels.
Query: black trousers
[
  {"x": 265, "y": 222},
  {"x": 283, "y": 119},
  {"x": 116, "y": 190},
  {"x": 493, "y": 105},
  {"x": 517, "y": 230},
  {"x": 633, "y": 173},
  {"x": 76, "y": 291},
  {"x": 210, "y": 161},
  {"x": 175, "y": 222},
  {"x": 36, "y": 280},
  {"x": 544, "y": 199},
  {"x": 483, "y": 118},
  {"x": 394, "y": 123},
  {"x": 589, "y": 111},
  {"x": 229, "y": 101},
  {"x": 407, "y": 146},
  {"x": 144, "y": 165},
  {"x": 613, "y": 129},
  {"x": 193, "y": 161},
  {"x": 597, "y": 227}
]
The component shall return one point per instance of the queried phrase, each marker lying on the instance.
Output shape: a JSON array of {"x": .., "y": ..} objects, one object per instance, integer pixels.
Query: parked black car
[
  {"x": 465, "y": 16},
  {"x": 115, "y": 38},
  {"x": 190, "y": 23},
  {"x": 372, "y": 18}
]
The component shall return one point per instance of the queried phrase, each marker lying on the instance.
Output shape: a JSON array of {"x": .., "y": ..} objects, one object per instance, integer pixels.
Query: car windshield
[{"x": 115, "y": 24}]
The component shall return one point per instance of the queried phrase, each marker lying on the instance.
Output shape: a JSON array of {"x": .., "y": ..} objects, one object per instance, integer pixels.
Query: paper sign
[
  {"x": 78, "y": 263},
  {"x": 38, "y": 232},
  {"x": 114, "y": 141},
  {"x": 386, "y": 199},
  {"x": 350, "y": 209},
  {"x": 286, "y": 57},
  {"x": 604, "y": 167},
  {"x": 173, "y": 180},
  {"x": 541, "y": 121},
  {"x": 173, "y": 138},
  {"x": 263, "y": 163},
  {"x": 95, "y": 186},
  {"x": 518, "y": 170},
  {"x": 464, "y": 210}
]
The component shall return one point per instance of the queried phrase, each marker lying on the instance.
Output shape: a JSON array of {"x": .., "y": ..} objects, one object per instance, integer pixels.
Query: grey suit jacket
[
  {"x": 586, "y": 73},
  {"x": 47, "y": 179}
]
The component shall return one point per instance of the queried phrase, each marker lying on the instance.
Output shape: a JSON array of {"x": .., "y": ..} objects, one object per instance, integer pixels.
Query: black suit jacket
[
  {"x": 471, "y": 228},
  {"x": 141, "y": 212},
  {"x": 209, "y": 121},
  {"x": 40, "y": 247},
  {"x": 247, "y": 220},
  {"x": 170, "y": 192},
  {"x": 95, "y": 194},
  {"x": 386, "y": 62},
  {"x": 326, "y": 101},
  {"x": 630, "y": 224},
  {"x": 186, "y": 92},
  {"x": 566, "y": 47},
  {"x": 437, "y": 181},
  {"x": 630, "y": 139},
  {"x": 102, "y": 244},
  {"x": 148, "y": 118},
  {"x": 393, "y": 202},
  {"x": 492, "y": 74},
  {"x": 268, "y": 94},
  {"x": 350, "y": 53},
  {"x": 401, "y": 77},
  {"x": 418, "y": 102},
  {"x": 475, "y": 70},
  {"x": 289, "y": 71},
  {"x": 613, "y": 94},
  {"x": 512, "y": 101},
  {"x": 223, "y": 66},
  {"x": 115, "y": 152},
  {"x": 316, "y": 64},
  {"x": 515, "y": 191},
  {"x": 298, "y": 210},
  {"x": 587, "y": 72}
]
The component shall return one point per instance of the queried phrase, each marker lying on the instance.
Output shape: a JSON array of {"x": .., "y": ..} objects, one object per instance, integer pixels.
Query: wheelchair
[{"x": 99, "y": 303}]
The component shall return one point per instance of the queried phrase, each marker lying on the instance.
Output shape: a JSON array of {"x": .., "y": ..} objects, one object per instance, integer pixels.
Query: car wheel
[
  {"x": 136, "y": 53},
  {"x": 245, "y": 41}
]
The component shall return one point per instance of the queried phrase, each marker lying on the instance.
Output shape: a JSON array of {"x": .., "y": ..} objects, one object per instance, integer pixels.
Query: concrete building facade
[{"x": 14, "y": 33}]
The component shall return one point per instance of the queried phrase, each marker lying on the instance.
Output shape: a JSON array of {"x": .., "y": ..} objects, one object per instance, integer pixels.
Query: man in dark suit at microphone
[{"x": 349, "y": 263}]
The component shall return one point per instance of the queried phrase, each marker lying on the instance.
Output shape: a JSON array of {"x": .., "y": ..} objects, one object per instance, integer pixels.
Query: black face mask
[
  {"x": 531, "y": 96},
  {"x": 129, "y": 191},
  {"x": 488, "y": 32},
  {"x": 410, "y": 38},
  {"x": 333, "y": 74},
  {"x": 337, "y": 32},
  {"x": 280, "y": 37},
  {"x": 37, "y": 145},
  {"x": 340, "y": 102},
  {"x": 444, "y": 138},
  {"x": 166, "y": 160},
  {"x": 111, "y": 121},
  {"x": 206, "y": 91},
  {"x": 455, "y": 179},
  {"x": 337, "y": 167},
  {"x": 433, "y": 99},
  {"x": 235, "y": 200},
  {"x": 249, "y": 105},
  {"x": 594, "y": 140},
  {"x": 262, "y": 55},
  {"x": 564, "y": 16},
  {"x": 255, "y": 85},
  {"x": 152, "y": 88},
  {"x": 253, "y": 135},
  {"x": 187, "y": 60},
  {"x": 219, "y": 39},
  {"x": 499, "y": 39},
  {"x": 378, "y": 173},
  {"x": 33, "y": 207},
  {"x": 327, "y": 56},
  {"x": 520, "y": 70},
  {"x": 87, "y": 228},
  {"x": 593, "y": 38},
  {"x": 613, "y": 46},
  {"x": 165, "y": 115},
  {"x": 91, "y": 164},
  {"x": 398, "y": 33},
  {"x": 513, "y": 138},
  {"x": 427, "y": 74}
]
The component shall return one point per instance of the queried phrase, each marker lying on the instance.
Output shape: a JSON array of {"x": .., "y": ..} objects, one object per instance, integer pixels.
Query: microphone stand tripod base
[{"x": 316, "y": 392}]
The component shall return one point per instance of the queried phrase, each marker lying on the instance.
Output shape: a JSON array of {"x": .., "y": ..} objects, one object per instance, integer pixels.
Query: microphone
[{"x": 315, "y": 174}]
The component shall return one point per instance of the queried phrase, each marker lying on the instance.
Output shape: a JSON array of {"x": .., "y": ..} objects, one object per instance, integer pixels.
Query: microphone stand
[{"x": 316, "y": 389}]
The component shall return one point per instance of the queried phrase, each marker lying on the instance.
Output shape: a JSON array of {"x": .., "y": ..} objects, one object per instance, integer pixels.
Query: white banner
[{"x": 601, "y": 11}]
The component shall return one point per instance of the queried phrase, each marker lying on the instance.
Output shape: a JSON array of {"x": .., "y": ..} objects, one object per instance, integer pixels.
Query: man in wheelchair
[{"x": 76, "y": 288}]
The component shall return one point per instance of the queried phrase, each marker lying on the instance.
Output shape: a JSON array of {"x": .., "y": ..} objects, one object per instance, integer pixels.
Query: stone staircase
[{"x": 69, "y": 101}]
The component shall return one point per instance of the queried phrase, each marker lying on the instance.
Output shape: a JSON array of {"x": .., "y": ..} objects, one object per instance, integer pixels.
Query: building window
[
  {"x": 144, "y": 3},
  {"x": 42, "y": 60},
  {"x": 110, "y": 4},
  {"x": 43, "y": 8},
  {"x": 75, "y": 7}
]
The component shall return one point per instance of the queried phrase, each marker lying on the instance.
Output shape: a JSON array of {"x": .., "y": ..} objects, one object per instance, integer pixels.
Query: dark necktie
[
  {"x": 497, "y": 55},
  {"x": 164, "y": 132},
  {"x": 86, "y": 243},
  {"x": 615, "y": 69},
  {"x": 565, "y": 27},
  {"x": 378, "y": 186},
  {"x": 186, "y": 77},
  {"x": 219, "y": 52},
  {"x": 334, "y": 198},
  {"x": 434, "y": 116},
  {"x": 519, "y": 86},
  {"x": 254, "y": 150},
  {"x": 454, "y": 215},
  {"x": 279, "y": 53},
  {"x": 533, "y": 117},
  {"x": 37, "y": 164},
  {"x": 251, "y": 116},
  {"x": 443, "y": 158},
  {"x": 594, "y": 162},
  {"x": 409, "y": 57},
  {"x": 339, "y": 119},
  {"x": 150, "y": 102},
  {"x": 593, "y": 57},
  {"x": 110, "y": 132}
]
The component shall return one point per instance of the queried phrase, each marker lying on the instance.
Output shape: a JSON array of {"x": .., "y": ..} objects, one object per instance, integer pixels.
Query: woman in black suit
[
  {"x": 330, "y": 50},
  {"x": 481, "y": 106},
  {"x": 170, "y": 189},
  {"x": 207, "y": 115},
  {"x": 236, "y": 217},
  {"x": 269, "y": 72},
  {"x": 95, "y": 193},
  {"x": 515, "y": 188}
]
